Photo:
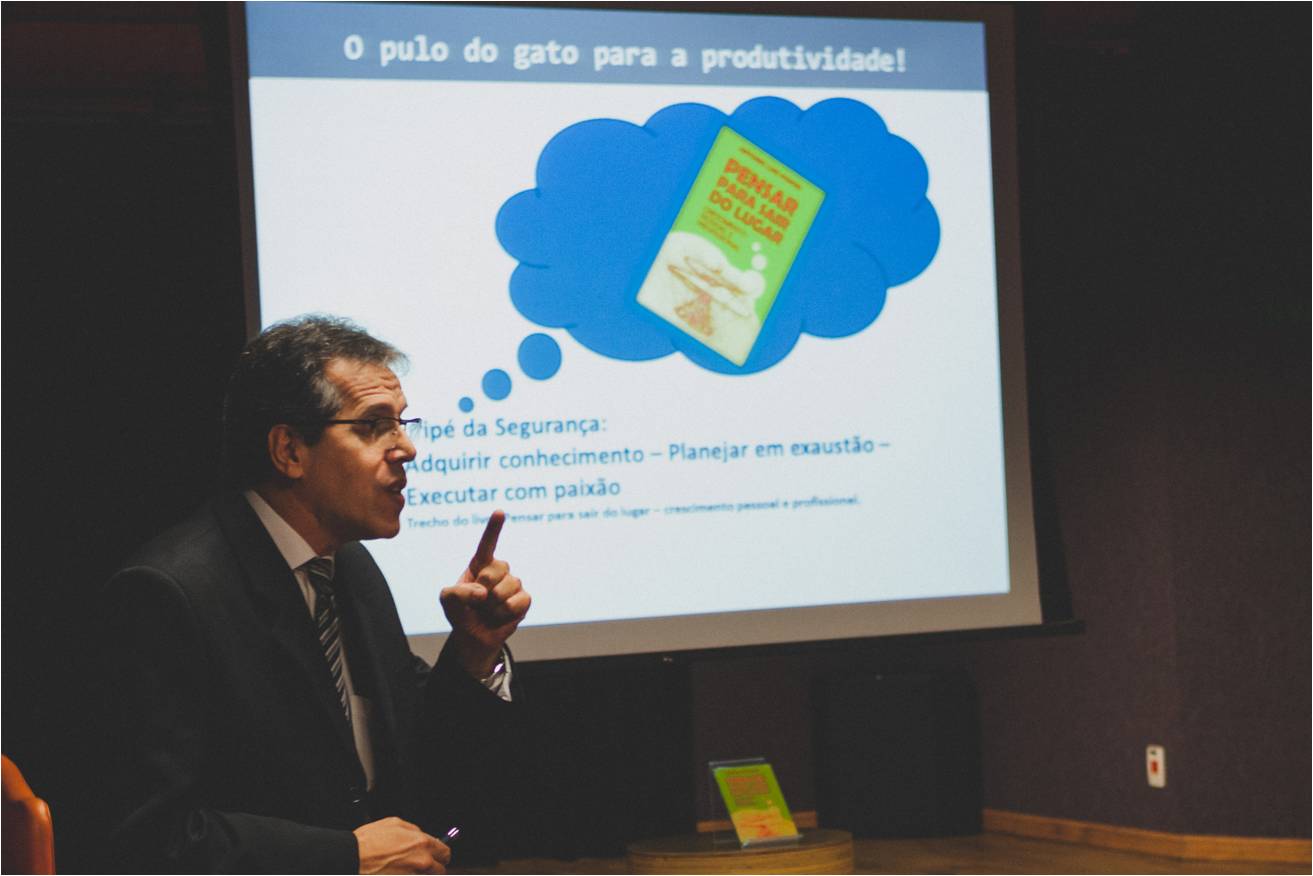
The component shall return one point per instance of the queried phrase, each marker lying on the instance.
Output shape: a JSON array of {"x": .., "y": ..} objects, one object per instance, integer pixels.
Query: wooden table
[{"x": 819, "y": 851}]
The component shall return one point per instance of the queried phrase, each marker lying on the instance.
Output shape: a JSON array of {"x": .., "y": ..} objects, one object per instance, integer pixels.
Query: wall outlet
[{"x": 1155, "y": 766}]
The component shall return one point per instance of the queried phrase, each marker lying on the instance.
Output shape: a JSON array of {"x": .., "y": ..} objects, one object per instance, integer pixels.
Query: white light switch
[{"x": 1155, "y": 766}]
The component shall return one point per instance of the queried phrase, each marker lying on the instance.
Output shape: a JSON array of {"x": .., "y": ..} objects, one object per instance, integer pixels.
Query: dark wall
[
  {"x": 122, "y": 315},
  {"x": 1165, "y": 219},
  {"x": 1236, "y": 358}
]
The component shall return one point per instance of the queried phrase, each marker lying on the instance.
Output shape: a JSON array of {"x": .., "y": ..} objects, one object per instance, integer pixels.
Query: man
[{"x": 274, "y": 717}]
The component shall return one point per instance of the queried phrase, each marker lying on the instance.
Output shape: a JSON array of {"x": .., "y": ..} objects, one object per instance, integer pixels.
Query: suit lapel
[{"x": 277, "y": 600}]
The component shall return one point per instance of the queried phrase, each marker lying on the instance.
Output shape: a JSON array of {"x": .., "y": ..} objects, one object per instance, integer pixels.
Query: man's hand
[
  {"x": 485, "y": 605},
  {"x": 396, "y": 846}
]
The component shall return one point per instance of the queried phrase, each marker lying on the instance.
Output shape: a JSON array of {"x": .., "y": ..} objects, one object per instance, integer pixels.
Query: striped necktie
[{"x": 320, "y": 572}]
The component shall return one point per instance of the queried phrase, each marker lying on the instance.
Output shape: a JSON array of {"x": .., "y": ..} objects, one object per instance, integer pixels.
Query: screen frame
[{"x": 728, "y": 632}]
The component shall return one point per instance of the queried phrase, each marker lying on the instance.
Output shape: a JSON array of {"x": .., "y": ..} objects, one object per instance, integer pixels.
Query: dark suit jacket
[{"x": 235, "y": 753}]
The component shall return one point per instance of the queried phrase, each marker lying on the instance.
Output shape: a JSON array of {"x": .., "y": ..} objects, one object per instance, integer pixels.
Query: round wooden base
[{"x": 819, "y": 851}]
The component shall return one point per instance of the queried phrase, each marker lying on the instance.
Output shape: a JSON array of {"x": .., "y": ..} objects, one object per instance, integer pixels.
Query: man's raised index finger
[{"x": 488, "y": 543}]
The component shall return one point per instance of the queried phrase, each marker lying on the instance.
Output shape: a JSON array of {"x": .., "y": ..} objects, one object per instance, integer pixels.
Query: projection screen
[{"x": 722, "y": 310}]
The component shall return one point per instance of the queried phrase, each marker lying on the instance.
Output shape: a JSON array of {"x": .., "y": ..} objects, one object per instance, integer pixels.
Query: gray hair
[{"x": 279, "y": 379}]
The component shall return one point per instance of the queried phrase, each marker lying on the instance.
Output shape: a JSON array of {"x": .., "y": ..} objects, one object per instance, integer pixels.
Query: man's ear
[{"x": 287, "y": 452}]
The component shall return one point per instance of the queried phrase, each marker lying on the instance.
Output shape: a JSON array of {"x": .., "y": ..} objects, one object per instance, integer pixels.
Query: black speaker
[{"x": 898, "y": 755}]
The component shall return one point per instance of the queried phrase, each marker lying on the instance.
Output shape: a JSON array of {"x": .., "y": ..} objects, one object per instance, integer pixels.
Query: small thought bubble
[
  {"x": 496, "y": 384},
  {"x": 539, "y": 356}
]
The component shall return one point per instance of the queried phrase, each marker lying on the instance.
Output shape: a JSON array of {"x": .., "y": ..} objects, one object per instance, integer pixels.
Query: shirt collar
[{"x": 296, "y": 550}]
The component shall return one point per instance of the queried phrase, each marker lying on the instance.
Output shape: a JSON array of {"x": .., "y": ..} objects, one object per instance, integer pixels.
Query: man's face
[{"x": 354, "y": 482}]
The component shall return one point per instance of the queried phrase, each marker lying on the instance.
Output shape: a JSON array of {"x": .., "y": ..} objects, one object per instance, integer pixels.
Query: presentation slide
[{"x": 706, "y": 303}]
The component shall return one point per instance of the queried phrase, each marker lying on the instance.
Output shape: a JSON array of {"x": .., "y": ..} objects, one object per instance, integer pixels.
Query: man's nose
[{"x": 405, "y": 449}]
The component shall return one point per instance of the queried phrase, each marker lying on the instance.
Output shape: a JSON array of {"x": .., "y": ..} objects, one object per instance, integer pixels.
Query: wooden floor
[{"x": 985, "y": 853}]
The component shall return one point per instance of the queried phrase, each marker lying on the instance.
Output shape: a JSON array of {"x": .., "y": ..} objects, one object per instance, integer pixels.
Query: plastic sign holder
[{"x": 754, "y": 802}]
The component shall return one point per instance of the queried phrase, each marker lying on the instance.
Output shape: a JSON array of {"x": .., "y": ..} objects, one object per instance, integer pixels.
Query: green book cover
[
  {"x": 755, "y": 803},
  {"x": 731, "y": 246}
]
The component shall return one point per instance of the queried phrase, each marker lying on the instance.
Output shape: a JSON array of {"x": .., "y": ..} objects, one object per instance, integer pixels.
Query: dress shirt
[{"x": 296, "y": 552}]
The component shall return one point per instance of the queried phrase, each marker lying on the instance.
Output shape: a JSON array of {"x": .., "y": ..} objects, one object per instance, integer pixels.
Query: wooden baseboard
[
  {"x": 805, "y": 819},
  {"x": 1151, "y": 842},
  {"x": 1193, "y": 847}
]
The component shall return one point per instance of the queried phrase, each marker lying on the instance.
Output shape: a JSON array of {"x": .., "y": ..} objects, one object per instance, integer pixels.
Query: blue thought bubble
[
  {"x": 496, "y": 384},
  {"x": 608, "y": 191},
  {"x": 539, "y": 356}
]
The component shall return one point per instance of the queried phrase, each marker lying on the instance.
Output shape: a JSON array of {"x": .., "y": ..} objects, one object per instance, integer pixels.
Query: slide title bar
[{"x": 501, "y": 44}]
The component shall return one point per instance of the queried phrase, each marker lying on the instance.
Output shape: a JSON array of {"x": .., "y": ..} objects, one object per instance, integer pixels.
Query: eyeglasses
[{"x": 378, "y": 427}]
